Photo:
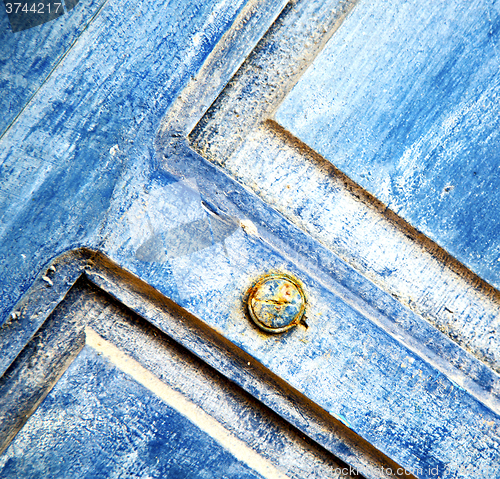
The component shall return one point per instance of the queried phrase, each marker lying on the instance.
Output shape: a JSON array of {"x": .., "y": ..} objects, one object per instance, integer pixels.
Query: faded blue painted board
[
  {"x": 349, "y": 366},
  {"x": 85, "y": 155},
  {"x": 62, "y": 162},
  {"x": 28, "y": 57},
  {"x": 99, "y": 422},
  {"x": 327, "y": 205},
  {"x": 170, "y": 368},
  {"x": 405, "y": 99}
]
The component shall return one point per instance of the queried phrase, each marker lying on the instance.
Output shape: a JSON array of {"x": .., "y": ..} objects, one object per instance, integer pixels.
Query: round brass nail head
[{"x": 276, "y": 303}]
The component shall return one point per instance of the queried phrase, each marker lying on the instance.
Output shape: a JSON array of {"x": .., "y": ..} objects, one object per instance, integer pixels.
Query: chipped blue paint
[
  {"x": 99, "y": 422},
  {"x": 343, "y": 362},
  {"x": 239, "y": 133},
  {"x": 82, "y": 166},
  {"x": 74, "y": 148},
  {"x": 27, "y": 58},
  {"x": 405, "y": 100},
  {"x": 342, "y": 419}
]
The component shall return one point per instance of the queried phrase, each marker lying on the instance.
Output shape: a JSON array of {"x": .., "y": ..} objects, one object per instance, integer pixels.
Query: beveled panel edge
[
  {"x": 473, "y": 324},
  {"x": 43, "y": 298}
]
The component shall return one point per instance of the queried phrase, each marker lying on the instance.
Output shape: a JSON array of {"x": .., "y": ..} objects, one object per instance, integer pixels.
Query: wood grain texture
[
  {"x": 73, "y": 149},
  {"x": 136, "y": 403},
  {"x": 328, "y": 205},
  {"x": 27, "y": 58},
  {"x": 348, "y": 366},
  {"x": 98, "y": 422},
  {"x": 404, "y": 99},
  {"x": 269, "y": 73},
  {"x": 83, "y": 166}
]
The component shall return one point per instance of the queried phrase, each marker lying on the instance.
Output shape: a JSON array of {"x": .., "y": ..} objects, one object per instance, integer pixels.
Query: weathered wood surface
[
  {"x": 87, "y": 135},
  {"x": 117, "y": 408},
  {"x": 313, "y": 194},
  {"x": 344, "y": 363},
  {"x": 27, "y": 58},
  {"x": 405, "y": 99},
  {"x": 98, "y": 422},
  {"x": 82, "y": 166}
]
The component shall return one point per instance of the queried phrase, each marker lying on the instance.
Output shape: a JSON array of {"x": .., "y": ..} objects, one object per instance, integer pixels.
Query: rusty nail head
[{"x": 276, "y": 303}]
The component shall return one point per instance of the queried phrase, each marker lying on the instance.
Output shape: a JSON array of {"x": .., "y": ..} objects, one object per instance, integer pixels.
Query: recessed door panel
[{"x": 404, "y": 99}]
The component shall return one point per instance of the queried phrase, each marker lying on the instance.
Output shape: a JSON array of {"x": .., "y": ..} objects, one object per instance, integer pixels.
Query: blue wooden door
[{"x": 159, "y": 159}]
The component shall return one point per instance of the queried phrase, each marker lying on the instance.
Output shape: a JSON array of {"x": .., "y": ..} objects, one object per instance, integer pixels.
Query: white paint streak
[
  {"x": 249, "y": 227},
  {"x": 191, "y": 411}
]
